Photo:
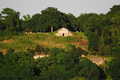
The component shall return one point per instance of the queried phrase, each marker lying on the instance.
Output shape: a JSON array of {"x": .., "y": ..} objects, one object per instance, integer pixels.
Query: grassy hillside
[{"x": 30, "y": 40}]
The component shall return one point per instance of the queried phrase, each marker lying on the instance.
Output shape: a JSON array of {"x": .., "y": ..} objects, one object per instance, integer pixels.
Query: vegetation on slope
[{"x": 102, "y": 31}]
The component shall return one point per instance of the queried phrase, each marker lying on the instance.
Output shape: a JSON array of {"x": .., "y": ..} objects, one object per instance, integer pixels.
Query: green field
[{"x": 30, "y": 40}]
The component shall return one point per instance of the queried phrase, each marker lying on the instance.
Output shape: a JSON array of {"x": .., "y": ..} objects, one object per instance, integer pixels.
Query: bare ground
[
  {"x": 98, "y": 60},
  {"x": 3, "y": 51},
  {"x": 7, "y": 41}
]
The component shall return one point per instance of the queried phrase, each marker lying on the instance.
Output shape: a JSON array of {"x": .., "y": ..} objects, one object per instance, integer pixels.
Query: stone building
[{"x": 63, "y": 32}]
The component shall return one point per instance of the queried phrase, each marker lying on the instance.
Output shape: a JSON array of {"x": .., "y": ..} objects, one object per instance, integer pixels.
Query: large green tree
[
  {"x": 51, "y": 17},
  {"x": 113, "y": 69},
  {"x": 94, "y": 24},
  {"x": 11, "y": 18},
  {"x": 74, "y": 23},
  {"x": 114, "y": 9},
  {"x": 93, "y": 41}
]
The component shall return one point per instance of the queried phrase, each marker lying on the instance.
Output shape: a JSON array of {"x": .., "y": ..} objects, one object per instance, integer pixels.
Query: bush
[
  {"x": 39, "y": 49},
  {"x": 1, "y": 39},
  {"x": 10, "y": 50},
  {"x": 43, "y": 36},
  {"x": 113, "y": 69},
  {"x": 54, "y": 51},
  {"x": 70, "y": 46},
  {"x": 8, "y": 37},
  {"x": 28, "y": 30},
  {"x": 31, "y": 51},
  {"x": 1, "y": 56},
  {"x": 46, "y": 51},
  {"x": 78, "y": 50}
]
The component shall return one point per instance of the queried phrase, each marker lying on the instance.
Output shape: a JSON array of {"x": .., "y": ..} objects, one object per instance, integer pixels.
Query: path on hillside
[{"x": 98, "y": 60}]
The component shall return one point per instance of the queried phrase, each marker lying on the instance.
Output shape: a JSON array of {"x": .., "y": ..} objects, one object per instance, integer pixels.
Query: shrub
[
  {"x": 28, "y": 30},
  {"x": 8, "y": 37},
  {"x": 91, "y": 52},
  {"x": 46, "y": 51},
  {"x": 39, "y": 49},
  {"x": 1, "y": 56},
  {"x": 43, "y": 36},
  {"x": 69, "y": 46},
  {"x": 10, "y": 50},
  {"x": 1, "y": 39},
  {"x": 54, "y": 51},
  {"x": 31, "y": 51}
]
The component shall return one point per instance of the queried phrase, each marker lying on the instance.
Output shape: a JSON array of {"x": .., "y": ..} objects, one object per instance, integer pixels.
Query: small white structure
[{"x": 63, "y": 32}]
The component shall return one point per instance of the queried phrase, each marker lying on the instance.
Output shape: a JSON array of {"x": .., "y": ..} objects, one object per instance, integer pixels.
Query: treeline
[
  {"x": 60, "y": 65},
  {"x": 50, "y": 17},
  {"x": 103, "y": 32}
]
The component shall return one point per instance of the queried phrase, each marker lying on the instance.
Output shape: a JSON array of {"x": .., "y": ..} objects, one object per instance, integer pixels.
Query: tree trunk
[{"x": 51, "y": 28}]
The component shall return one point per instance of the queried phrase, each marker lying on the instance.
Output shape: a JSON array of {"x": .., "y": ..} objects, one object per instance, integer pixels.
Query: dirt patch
[
  {"x": 46, "y": 33},
  {"x": 83, "y": 42},
  {"x": 48, "y": 37},
  {"x": 85, "y": 49},
  {"x": 98, "y": 60},
  {"x": 8, "y": 41},
  {"x": 3, "y": 51},
  {"x": 75, "y": 43}
]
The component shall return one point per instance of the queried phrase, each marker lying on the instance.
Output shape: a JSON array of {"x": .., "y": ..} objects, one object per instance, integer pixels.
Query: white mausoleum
[{"x": 63, "y": 32}]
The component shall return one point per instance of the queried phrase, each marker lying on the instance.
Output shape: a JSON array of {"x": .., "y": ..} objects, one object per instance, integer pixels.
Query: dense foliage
[
  {"x": 102, "y": 31},
  {"x": 60, "y": 65}
]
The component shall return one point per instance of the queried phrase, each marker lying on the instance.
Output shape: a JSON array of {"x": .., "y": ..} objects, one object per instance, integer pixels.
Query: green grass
[{"x": 22, "y": 42}]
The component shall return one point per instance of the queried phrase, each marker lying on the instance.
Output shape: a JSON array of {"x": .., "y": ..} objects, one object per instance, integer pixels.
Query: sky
[{"x": 76, "y": 7}]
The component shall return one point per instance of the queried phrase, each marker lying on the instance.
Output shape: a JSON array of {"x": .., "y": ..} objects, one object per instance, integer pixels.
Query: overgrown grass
[{"x": 24, "y": 41}]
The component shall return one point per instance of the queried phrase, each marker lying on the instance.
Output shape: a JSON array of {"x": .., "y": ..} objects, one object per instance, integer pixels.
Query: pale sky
[{"x": 76, "y": 7}]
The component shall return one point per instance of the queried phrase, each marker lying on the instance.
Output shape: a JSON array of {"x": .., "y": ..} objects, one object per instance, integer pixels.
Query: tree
[
  {"x": 114, "y": 9},
  {"x": 18, "y": 71},
  {"x": 83, "y": 19},
  {"x": 12, "y": 20},
  {"x": 94, "y": 24},
  {"x": 1, "y": 59},
  {"x": 25, "y": 57},
  {"x": 74, "y": 22},
  {"x": 51, "y": 17},
  {"x": 55, "y": 51},
  {"x": 113, "y": 69},
  {"x": 35, "y": 22},
  {"x": 46, "y": 50},
  {"x": 93, "y": 41},
  {"x": 2, "y": 25},
  {"x": 10, "y": 50},
  {"x": 26, "y": 17},
  {"x": 0, "y": 16},
  {"x": 31, "y": 51},
  {"x": 39, "y": 49}
]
